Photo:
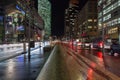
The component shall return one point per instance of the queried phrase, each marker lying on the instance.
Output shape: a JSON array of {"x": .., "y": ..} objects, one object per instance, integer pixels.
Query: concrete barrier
[
  {"x": 54, "y": 68},
  {"x": 49, "y": 69}
]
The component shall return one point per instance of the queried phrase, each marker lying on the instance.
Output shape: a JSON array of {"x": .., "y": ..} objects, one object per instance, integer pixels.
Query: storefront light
[
  {"x": 89, "y": 20},
  {"x": 10, "y": 23}
]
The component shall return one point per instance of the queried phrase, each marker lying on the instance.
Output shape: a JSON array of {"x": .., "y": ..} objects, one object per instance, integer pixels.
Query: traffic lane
[
  {"x": 86, "y": 70},
  {"x": 77, "y": 69},
  {"x": 20, "y": 68},
  {"x": 110, "y": 63}
]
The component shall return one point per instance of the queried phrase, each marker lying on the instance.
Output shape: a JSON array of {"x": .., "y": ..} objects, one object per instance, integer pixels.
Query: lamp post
[
  {"x": 31, "y": 5},
  {"x": 103, "y": 33},
  {"x": 102, "y": 26},
  {"x": 103, "y": 38},
  {"x": 24, "y": 42}
]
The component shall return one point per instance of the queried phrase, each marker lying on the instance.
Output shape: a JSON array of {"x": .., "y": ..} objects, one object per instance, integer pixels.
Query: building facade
[
  {"x": 44, "y": 10},
  {"x": 70, "y": 16},
  {"x": 15, "y": 20},
  {"x": 2, "y": 31},
  {"x": 109, "y": 18},
  {"x": 86, "y": 21}
]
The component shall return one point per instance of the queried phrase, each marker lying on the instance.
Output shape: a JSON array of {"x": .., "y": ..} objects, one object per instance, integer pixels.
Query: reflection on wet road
[
  {"x": 110, "y": 63},
  {"x": 20, "y": 68},
  {"x": 94, "y": 64}
]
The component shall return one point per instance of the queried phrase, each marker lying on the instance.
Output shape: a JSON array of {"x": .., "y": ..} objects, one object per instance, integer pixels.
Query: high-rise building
[
  {"x": 44, "y": 10},
  {"x": 70, "y": 16},
  {"x": 109, "y": 18},
  {"x": 86, "y": 21},
  {"x": 16, "y": 19}
]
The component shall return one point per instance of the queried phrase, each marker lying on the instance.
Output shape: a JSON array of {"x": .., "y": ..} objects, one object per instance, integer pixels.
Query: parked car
[
  {"x": 87, "y": 44},
  {"x": 98, "y": 44},
  {"x": 115, "y": 47},
  {"x": 84, "y": 45}
]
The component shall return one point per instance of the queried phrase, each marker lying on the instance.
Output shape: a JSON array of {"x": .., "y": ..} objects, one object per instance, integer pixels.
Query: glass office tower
[{"x": 109, "y": 18}]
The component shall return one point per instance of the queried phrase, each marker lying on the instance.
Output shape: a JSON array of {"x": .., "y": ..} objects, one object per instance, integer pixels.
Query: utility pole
[
  {"x": 31, "y": 24},
  {"x": 102, "y": 27},
  {"x": 103, "y": 31},
  {"x": 103, "y": 36},
  {"x": 24, "y": 42},
  {"x": 29, "y": 40}
]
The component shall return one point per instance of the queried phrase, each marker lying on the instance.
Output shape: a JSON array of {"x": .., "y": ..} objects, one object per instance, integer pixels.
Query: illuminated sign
[
  {"x": 113, "y": 30},
  {"x": 20, "y": 9}
]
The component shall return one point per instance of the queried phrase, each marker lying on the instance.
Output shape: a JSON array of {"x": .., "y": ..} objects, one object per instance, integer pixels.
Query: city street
[
  {"x": 84, "y": 64},
  {"x": 59, "y": 39},
  {"x": 95, "y": 58}
]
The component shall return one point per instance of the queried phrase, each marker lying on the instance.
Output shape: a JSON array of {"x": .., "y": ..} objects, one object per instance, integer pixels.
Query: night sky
[{"x": 57, "y": 20}]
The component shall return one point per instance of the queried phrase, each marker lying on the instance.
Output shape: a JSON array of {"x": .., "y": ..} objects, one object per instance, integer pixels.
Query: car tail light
[
  {"x": 79, "y": 43},
  {"x": 100, "y": 44}
]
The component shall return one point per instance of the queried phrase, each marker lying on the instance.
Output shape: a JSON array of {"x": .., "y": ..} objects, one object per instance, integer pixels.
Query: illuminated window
[
  {"x": 100, "y": 20},
  {"x": 118, "y": 20},
  {"x": 89, "y": 20},
  {"x": 89, "y": 27},
  {"x": 113, "y": 22},
  {"x": 94, "y": 26},
  {"x": 95, "y": 20},
  {"x": 107, "y": 17},
  {"x": 112, "y": 7}
]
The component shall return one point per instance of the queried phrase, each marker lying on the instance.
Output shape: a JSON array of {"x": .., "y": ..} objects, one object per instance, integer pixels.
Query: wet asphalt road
[
  {"x": 20, "y": 68},
  {"x": 111, "y": 63}
]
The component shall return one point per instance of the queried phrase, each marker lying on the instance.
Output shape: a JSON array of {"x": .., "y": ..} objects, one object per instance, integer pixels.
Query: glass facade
[
  {"x": 14, "y": 27},
  {"x": 109, "y": 17},
  {"x": 44, "y": 10}
]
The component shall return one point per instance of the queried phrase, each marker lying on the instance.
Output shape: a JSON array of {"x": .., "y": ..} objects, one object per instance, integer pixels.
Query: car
[
  {"x": 80, "y": 45},
  {"x": 115, "y": 48},
  {"x": 99, "y": 44},
  {"x": 87, "y": 44}
]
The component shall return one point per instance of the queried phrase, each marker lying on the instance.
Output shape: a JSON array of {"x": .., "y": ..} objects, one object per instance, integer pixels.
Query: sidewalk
[
  {"x": 14, "y": 67},
  {"x": 7, "y": 55},
  {"x": 4, "y": 55}
]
